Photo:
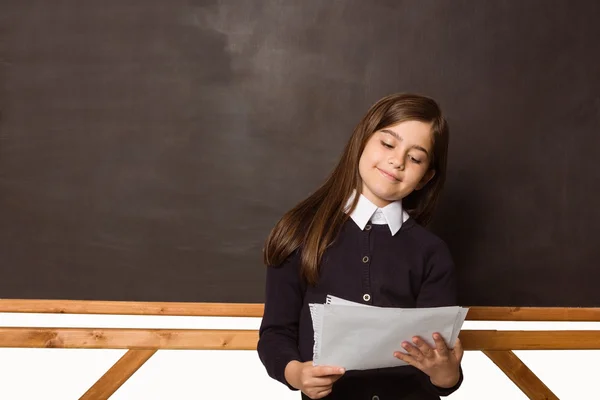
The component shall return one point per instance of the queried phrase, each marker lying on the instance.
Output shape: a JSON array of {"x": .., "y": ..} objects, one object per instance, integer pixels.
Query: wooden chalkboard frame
[{"x": 143, "y": 343}]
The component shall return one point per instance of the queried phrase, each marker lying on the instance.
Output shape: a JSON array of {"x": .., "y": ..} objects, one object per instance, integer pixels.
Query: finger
[
  {"x": 413, "y": 351},
  {"x": 335, "y": 378},
  {"x": 440, "y": 345},
  {"x": 325, "y": 370},
  {"x": 324, "y": 380},
  {"x": 317, "y": 392},
  {"x": 424, "y": 348},
  {"x": 322, "y": 393},
  {"x": 407, "y": 358},
  {"x": 458, "y": 350}
]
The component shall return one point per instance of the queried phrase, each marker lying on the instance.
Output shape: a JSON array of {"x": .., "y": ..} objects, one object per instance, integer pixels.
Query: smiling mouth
[{"x": 388, "y": 176}]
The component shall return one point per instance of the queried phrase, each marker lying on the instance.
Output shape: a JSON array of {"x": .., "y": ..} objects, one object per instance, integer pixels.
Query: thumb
[
  {"x": 458, "y": 350},
  {"x": 328, "y": 370}
]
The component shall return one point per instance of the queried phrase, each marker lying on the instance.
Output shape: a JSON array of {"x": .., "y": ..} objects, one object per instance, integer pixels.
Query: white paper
[{"x": 358, "y": 336}]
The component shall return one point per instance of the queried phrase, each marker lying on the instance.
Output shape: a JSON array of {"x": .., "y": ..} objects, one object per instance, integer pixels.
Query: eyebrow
[{"x": 394, "y": 134}]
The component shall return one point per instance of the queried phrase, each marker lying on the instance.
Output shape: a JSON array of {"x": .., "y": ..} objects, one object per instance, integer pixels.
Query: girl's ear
[{"x": 426, "y": 178}]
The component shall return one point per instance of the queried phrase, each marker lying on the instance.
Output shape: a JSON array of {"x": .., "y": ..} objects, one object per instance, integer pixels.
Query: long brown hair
[{"x": 313, "y": 224}]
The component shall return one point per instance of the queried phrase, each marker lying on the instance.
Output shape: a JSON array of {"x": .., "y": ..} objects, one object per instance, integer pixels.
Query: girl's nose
[{"x": 395, "y": 164}]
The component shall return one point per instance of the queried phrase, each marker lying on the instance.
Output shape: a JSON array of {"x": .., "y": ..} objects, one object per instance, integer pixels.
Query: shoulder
[
  {"x": 291, "y": 261},
  {"x": 422, "y": 239}
]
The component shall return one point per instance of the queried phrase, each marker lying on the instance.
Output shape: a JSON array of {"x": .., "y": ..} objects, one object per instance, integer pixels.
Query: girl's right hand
[{"x": 314, "y": 381}]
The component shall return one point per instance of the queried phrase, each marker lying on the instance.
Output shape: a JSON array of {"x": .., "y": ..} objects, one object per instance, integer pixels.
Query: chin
[
  {"x": 387, "y": 197},
  {"x": 386, "y": 194}
]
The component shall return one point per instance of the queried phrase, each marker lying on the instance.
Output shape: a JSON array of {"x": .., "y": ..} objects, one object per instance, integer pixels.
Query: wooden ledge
[
  {"x": 197, "y": 339},
  {"x": 256, "y": 310}
]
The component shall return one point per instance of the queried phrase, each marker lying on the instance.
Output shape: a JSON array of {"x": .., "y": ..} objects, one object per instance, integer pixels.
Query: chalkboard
[{"x": 148, "y": 147}]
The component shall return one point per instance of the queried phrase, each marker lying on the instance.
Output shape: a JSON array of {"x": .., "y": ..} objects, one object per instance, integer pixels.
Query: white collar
[{"x": 394, "y": 214}]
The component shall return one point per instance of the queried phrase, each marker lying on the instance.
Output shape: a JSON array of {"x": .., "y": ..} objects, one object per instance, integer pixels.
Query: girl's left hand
[{"x": 440, "y": 363}]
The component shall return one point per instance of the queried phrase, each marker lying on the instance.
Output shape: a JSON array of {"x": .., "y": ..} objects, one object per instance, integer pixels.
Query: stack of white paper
[{"x": 359, "y": 336}]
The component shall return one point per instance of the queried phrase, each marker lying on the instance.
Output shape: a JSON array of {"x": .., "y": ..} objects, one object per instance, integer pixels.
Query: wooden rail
[{"x": 143, "y": 343}]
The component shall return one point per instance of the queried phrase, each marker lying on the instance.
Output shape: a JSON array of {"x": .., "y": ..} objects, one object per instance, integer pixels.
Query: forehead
[{"x": 412, "y": 132}]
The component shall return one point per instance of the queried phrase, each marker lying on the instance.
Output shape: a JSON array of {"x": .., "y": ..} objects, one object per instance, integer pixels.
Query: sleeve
[
  {"x": 438, "y": 290},
  {"x": 278, "y": 333}
]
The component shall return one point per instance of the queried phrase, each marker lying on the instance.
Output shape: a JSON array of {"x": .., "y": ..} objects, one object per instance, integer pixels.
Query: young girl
[{"x": 360, "y": 237}]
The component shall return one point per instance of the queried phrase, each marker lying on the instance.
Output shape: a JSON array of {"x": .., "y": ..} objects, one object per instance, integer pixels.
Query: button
[
  {"x": 375, "y": 397},
  {"x": 366, "y": 297},
  {"x": 368, "y": 228},
  {"x": 365, "y": 259}
]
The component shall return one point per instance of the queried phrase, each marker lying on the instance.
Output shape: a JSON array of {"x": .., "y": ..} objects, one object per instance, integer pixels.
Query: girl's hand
[
  {"x": 441, "y": 364},
  {"x": 314, "y": 381}
]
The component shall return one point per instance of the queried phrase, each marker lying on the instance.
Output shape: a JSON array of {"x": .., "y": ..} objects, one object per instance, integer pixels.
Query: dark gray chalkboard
[{"x": 147, "y": 147}]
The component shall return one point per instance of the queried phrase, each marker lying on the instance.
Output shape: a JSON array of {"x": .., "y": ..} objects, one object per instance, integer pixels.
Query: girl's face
[{"x": 396, "y": 161}]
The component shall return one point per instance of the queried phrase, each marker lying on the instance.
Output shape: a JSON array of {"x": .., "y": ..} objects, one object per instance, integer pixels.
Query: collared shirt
[
  {"x": 412, "y": 268},
  {"x": 392, "y": 215}
]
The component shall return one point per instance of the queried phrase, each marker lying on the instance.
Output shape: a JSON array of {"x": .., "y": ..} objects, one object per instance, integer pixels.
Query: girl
[{"x": 360, "y": 237}]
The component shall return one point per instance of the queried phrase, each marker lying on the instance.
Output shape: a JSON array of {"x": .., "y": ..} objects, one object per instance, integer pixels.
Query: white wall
[{"x": 177, "y": 374}]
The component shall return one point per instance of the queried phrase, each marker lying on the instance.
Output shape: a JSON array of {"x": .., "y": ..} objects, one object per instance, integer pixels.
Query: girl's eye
[
  {"x": 387, "y": 145},
  {"x": 414, "y": 160}
]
